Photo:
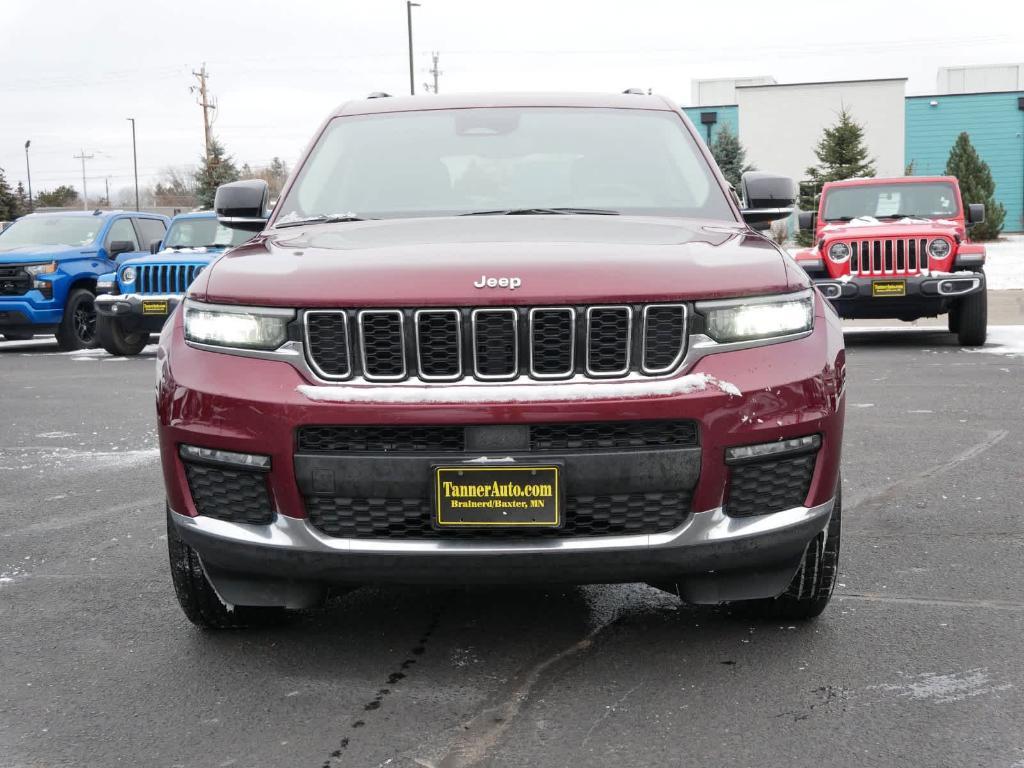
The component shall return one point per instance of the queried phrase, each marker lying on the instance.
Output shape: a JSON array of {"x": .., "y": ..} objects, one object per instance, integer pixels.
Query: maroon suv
[{"x": 496, "y": 339}]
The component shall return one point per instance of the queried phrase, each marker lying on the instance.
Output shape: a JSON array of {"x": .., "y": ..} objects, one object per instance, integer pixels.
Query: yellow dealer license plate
[
  {"x": 888, "y": 288},
  {"x": 509, "y": 496},
  {"x": 154, "y": 307}
]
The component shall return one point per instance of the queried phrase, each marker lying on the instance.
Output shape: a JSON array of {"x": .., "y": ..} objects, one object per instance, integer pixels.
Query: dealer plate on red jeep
[
  {"x": 509, "y": 496},
  {"x": 888, "y": 288}
]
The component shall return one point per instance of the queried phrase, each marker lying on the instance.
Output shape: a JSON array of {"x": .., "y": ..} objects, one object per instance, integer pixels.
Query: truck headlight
[
  {"x": 245, "y": 327},
  {"x": 760, "y": 317},
  {"x": 41, "y": 269},
  {"x": 938, "y": 248},
  {"x": 128, "y": 274},
  {"x": 839, "y": 252}
]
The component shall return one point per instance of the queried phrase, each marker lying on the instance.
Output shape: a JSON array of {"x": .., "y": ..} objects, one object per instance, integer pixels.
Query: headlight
[
  {"x": 758, "y": 318},
  {"x": 128, "y": 275},
  {"x": 41, "y": 269},
  {"x": 938, "y": 249},
  {"x": 245, "y": 327},
  {"x": 839, "y": 252}
]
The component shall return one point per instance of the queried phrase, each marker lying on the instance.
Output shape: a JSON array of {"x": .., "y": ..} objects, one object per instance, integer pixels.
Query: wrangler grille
[
  {"x": 905, "y": 256},
  {"x": 496, "y": 344},
  {"x": 165, "y": 278}
]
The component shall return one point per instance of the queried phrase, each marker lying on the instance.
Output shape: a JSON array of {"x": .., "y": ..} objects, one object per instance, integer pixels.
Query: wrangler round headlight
[
  {"x": 128, "y": 275},
  {"x": 839, "y": 252},
  {"x": 938, "y": 249}
]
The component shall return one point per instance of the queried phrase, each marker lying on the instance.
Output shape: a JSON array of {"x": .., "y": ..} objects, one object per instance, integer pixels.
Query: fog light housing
[
  {"x": 252, "y": 461},
  {"x": 744, "y": 453}
]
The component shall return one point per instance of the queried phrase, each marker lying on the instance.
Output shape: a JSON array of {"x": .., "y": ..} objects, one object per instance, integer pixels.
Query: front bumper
[
  {"x": 30, "y": 312},
  {"x": 919, "y": 296},
  {"x": 137, "y": 312}
]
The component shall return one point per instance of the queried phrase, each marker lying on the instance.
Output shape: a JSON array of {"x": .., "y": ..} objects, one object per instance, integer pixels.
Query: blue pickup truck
[
  {"x": 136, "y": 300},
  {"x": 50, "y": 264}
]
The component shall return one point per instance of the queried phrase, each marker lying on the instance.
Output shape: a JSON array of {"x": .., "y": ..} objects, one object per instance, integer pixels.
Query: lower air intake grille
[
  {"x": 613, "y": 435},
  {"x": 229, "y": 494},
  {"x": 610, "y": 515},
  {"x": 769, "y": 486},
  {"x": 389, "y": 439}
]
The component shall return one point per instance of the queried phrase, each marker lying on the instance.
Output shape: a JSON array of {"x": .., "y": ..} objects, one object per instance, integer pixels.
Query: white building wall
[
  {"x": 716, "y": 92},
  {"x": 780, "y": 125},
  {"x": 981, "y": 79}
]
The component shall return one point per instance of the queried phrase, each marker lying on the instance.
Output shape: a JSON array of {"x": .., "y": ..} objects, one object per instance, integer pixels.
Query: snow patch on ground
[
  {"x": 1003, "y": 340},
  {"x": 946, "y": 689},
  {"x": 1004, "y": 263},
  {"x": 517, "y": 393},
  {"x": 72, "y": 459}
]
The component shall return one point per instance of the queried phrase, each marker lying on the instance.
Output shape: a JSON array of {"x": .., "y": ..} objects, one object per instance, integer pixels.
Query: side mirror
[
  {"x": 154, "y": 246},
  {"x": 117, "y": 247},
  {"x": 768, "y": 198},
  {"x": 243, "y": 204},
  {"x": 806, "y": 219},
  {"x": 976, "y": 213}
]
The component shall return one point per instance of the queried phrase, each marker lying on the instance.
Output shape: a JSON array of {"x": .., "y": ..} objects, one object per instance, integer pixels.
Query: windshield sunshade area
[
  {"x": 537, "y": 160},
  {"x": 51, "y": 230},
  {"x": 203, "y": 233},
  {"x": 936, "y": 200}
]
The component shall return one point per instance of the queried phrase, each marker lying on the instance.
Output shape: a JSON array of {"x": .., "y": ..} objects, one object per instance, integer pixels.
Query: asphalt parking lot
[{"x": 915, "y": 663}]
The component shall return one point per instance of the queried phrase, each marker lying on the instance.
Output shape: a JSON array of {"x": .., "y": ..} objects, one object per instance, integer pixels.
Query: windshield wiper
[
  {"x": 544, "y": 212},
  {"x": 322, "y": 219},
  {"x": 840, "y": 218}
]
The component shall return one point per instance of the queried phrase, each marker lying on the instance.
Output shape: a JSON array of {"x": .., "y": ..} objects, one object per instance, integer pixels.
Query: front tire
[
  {"x": 77, "y": 329},
  {"x": 972, "y": 327},
  {"x": 198, "y": 599},
  {"x": 112, "y": 337}
]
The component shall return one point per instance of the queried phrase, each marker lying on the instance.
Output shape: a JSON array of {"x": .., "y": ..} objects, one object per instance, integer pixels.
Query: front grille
[
  {"x": 229, "y": 494},
  {"x": 574, "y": 436},
  {"x": 496, "y": 344},
  {"x": 165, "y": 278},
  {"x": 769, "y": 486},
  {"x": 411, "y": 518},
  {"x": 14, "y": 281},
  {"x": 904, "y": 256}
]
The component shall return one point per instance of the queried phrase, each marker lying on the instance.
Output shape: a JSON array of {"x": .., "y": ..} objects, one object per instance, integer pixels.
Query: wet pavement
[{"x": 915, "y": 663}]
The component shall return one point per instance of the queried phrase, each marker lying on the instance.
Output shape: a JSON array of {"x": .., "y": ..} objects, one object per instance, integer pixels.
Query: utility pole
[
  {"x": 135, "y": 165},
  {"x": 434, "y": 70},
  {"x": 107, "y": 195},
  {"x": 206, "y": 103},
  {"x": 85, "y": 192},
  {"x": 409, "y": 5},
  {"x": 28, "y": 172}
]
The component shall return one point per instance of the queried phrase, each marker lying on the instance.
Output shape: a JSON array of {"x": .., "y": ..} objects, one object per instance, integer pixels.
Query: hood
[
  {"x": 30, "y": 253},
  {"x": 556, "y": 259},
  {"x": 868, "y": 227},
  {"x": 178, "y": 256}
]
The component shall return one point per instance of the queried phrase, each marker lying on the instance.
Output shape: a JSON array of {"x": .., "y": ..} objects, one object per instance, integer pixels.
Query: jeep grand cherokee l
[{"x": 500, "y": 339}]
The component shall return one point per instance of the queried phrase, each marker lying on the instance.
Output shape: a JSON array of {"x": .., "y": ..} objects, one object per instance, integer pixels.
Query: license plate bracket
[
  {"x": 885, "y": 288},
  {"x": 155, "y": 306},
  {"x": 507, "y": 496}
]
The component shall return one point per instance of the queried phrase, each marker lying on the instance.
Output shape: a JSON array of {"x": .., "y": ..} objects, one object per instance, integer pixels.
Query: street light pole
[
  {"x": 28, "y": 172},
  {"x": 135, "y": 163},
  {"x": 409, "y": 5}
]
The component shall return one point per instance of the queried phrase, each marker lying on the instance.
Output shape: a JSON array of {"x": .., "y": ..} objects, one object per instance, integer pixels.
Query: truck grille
[
  {"x": 899, "y": 256},
  {"x": 165, "y": 278},
  {"x": 496, "y": 344},
  {"x": 571, "y": 436},
  {"x": 609, "y": 515},
  {"x": 14, "y": 281}
]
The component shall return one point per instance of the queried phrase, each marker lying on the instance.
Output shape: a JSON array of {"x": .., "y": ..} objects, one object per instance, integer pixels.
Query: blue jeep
[
  {"x": 136, "y": 300},
  {"x": 49, "y": 265}
]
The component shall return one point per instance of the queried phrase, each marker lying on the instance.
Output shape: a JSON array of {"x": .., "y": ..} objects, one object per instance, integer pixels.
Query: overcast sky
[{"x": 71, "y": 71}]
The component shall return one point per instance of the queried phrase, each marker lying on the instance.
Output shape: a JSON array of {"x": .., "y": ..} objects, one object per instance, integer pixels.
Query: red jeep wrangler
[
  {"x": 898, "y": 248},
  {"x": 502, "y": 339}
]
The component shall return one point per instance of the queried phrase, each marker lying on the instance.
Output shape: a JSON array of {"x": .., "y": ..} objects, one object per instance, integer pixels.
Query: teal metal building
[
  {"x": 995, "y": 123},
  {"x": 709, "y": 120}
]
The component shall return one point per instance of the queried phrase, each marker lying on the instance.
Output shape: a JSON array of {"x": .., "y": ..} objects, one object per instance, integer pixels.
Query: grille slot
[
  {"x": 607, "y": 329},
  {"x": 382, "y": 341},
  {"x": 439, "y": 344},
  {"x": 613, "y": 435},
  {"x": 495, "y": 343},
  {"x": 664, "y": 337},
  {"x": 373, "y": 439},
  {"x": 769, "y": 486},
  {"x": 411, "y": 518},
  {"x": 327, "y": 333},
  {"x": 552, "y": 342},
  {"x": 229, "y": 494}
]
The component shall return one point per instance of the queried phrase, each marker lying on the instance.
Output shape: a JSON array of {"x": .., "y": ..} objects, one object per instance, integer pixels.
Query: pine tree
[
  {"x": 9, "y": 207},
  {"x": 730, "y": 156},
  {"x": 976, "y": 186},
  {"x": 841, "y": 155},
  {"x": 63, "y": 196},
  {"x": 216, "y": 169}
]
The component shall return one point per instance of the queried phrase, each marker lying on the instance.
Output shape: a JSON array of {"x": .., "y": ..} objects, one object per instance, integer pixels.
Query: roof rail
[{"x": 379, "y": 95}]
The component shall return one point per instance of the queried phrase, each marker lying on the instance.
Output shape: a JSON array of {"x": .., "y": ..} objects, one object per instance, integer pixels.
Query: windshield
[
  {"x": 446, "y": 162},
  {"x": 925, "y": 200},
  {"x": 51, "y": 230},
  {"x": 203, "y": 232}
]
